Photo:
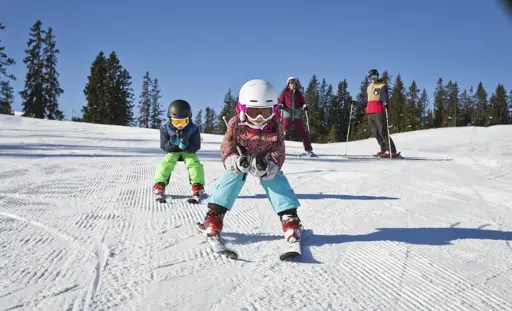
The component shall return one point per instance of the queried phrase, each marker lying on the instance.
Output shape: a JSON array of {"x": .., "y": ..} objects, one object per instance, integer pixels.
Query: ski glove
[
  {"x": 183, "y": 143},
  {"x": 238, "y": 164},
  {"x": 263, "y": 169},
  {"x": 304, "y": 108},
  {"x": 175, "y": 141}
]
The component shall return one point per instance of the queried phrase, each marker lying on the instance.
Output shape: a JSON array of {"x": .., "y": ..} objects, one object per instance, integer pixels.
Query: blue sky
[{"x": 200, "y": 49}]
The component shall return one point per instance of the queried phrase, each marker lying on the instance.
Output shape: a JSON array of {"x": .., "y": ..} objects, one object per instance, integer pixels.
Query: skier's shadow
[{"x": 416, "y": 236}]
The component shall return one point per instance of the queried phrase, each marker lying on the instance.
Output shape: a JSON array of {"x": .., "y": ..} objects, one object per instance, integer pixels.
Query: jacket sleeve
[
  {"x": 229, "y": 142},
  {"x": 165, "y": 143},
  {"x": 195, "y": 142},
  {"x": 281, "y": 99}
]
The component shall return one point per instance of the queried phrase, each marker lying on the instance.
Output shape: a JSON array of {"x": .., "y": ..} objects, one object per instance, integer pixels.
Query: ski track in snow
[{"x": 80, "y": 229}]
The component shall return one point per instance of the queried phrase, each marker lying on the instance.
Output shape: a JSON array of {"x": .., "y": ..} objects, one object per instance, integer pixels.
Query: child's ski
[
  {"x": 292, "y": 248},
  {"x": 196, "y": 199},
  {"x": 160, "y": 198},
  {"x": 216, "y": 244}
]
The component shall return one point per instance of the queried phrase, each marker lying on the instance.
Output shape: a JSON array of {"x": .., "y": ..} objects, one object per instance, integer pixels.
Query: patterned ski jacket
[{"x": 255, "y": 142}]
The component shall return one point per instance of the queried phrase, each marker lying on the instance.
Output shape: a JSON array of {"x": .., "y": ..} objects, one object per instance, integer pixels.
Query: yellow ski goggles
[{"x": 178, "y": 122}]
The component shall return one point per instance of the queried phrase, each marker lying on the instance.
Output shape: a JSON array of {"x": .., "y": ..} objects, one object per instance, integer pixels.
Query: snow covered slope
[{"x": 80, "y": 230}]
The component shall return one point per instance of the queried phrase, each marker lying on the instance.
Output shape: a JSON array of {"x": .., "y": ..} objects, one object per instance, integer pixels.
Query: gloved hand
[
  {"x": 304, "y": 107},
  {"x": 243, "y": 163},
  {"x": 263, "y": 168},
  {"x": 175, "y": 141},
  {"x": 183, "y": 143},
  {"x": 238, "y": 164}
]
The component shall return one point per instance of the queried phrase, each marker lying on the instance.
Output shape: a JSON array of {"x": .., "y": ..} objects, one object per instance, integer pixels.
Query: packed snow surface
[{"x": 80, "y": 229}]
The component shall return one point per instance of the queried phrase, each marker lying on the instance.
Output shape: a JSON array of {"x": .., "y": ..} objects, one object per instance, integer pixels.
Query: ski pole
[
  {"x": 349, "y": 122},
  {"x": 389, "y": 137},
  {"x": 307, "y": 122}
]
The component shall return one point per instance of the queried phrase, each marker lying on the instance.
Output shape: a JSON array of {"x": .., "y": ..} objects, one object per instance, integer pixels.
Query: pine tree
[
  {"x": 156, "y": 110},
  {"x": 452, "y": 104},
  {"x": 119, "y": 93},
  {"x": 334, "y": 116},
  {"x": 52, "y": 89},
  {"x": 396, "y": 110},
  {"x": 228, "y": 110},
  {"x": 33, "y": 92},
  {"x": 359, "y": 119},
  {"x": 479, "y": 117},
  {"x": 311, "y": 98},
  {"x": 6, "y": 91},
  {"x": 324, "y": 98},
  {"x": 510, "y": 106},
  {"x": 423, "y": 105},
  {"x": 346, "y": 105},
  {"x": 439, "y": 103},
  {"x": 210, "y": 124},
  {"x": 145, "y": 101},
  {"x": 501, "y": 105},
  {"x": 412, "y": 115},
  {"x": 95, "y": 91},
  {"x": 6, "y": 98},
  {"x": 5, "y": 61},
  {"x": 199, "y": 121},
  {"x": 465, "y": 108}
]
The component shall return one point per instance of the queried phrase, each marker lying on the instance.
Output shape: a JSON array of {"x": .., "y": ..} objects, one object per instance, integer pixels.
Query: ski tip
[
  {"x": 229, "y": 254},
  {"x": 289, "y": 255}
]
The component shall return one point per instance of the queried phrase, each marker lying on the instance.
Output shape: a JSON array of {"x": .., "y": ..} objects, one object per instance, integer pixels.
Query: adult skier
[{"x": 292, "y": 104}]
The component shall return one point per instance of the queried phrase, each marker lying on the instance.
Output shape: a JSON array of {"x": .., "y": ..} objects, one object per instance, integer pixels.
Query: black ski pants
[{"x": 378, "y": 126}]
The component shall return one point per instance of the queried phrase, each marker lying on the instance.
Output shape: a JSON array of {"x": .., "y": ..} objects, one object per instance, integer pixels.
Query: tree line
[{"x": 109, "y": 98}]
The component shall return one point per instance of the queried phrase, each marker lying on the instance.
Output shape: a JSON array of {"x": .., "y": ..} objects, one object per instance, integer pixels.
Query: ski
[
  {"x": 397, "y": 156},
  {"x": 292, "y": 248},
  {"x": 300, "y": 155},
  {"x": 160, "y": 198},
  {"x": 216, "y": 244},
  {"x": 197, "y": 199}
]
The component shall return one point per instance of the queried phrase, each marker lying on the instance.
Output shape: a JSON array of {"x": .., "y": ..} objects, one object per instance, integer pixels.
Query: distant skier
[
  {"x": 292, "y": 104},
  {"x": 256, "y": 131},
  {"x": 376, "y": 98},
  {"x": 181, "y": 138}
]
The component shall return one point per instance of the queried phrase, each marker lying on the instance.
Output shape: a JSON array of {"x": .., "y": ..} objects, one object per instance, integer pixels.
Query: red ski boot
[
  {"x": 197, "y": 190},
  {"x": 159, "y": 191},
  {"x": 213, "y": 223},
  {"x": 197, "y": 194},
  {"x": 291, "y": 227}
]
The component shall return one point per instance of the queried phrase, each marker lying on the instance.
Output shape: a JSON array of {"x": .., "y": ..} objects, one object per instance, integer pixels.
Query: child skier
[
  {"x": 181, "y": 139},
  {"x": 256, "y": 133}
]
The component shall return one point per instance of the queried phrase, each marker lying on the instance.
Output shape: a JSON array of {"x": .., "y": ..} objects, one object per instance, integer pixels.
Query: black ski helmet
[
  {"x": 179, "y": 109},
  {"x": 373, "y": 72}
]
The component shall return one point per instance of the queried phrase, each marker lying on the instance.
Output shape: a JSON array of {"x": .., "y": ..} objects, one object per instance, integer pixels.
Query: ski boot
[
  {"x": 311, "y": 154},
  {"x": 197, "y": 193},
  {"x": 292, "y": 229},
  {"x": 159, "y": 191},
  {"x": 213, "y": 223}
]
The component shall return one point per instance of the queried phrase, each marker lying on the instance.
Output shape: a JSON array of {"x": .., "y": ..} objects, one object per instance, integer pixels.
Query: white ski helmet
[
  {"x": 257, "y": 93},
  {"x": 290, "y": 78}
]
